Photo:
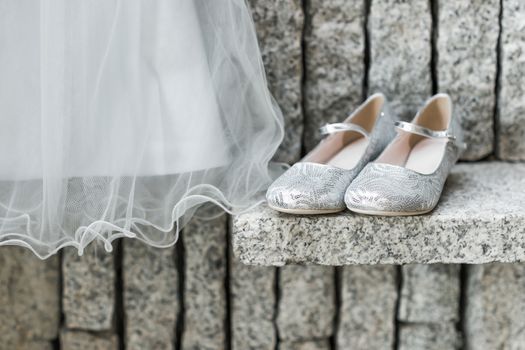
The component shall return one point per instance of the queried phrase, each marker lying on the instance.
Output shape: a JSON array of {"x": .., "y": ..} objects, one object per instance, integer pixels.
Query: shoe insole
[
  {"x": 349, "y": 156},
  {"x": 426, "y": 156}
]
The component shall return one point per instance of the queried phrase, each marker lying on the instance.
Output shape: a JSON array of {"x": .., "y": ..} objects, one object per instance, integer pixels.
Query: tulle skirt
[{"x": 121, "y": 117}]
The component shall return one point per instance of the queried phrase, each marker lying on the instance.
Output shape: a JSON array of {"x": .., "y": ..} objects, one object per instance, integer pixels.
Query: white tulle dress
[{"x": 120, "y": 117}]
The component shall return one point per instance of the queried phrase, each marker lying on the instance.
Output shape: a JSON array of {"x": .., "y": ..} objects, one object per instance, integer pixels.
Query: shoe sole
[
  {"x": 390, "y": 213},
  {"x": 306, "y": 211}
]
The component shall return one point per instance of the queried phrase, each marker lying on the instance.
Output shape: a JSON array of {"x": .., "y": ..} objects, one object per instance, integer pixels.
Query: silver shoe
[
  {"x": 317, "y": 184},
  {"x": 409, "y": 175}
]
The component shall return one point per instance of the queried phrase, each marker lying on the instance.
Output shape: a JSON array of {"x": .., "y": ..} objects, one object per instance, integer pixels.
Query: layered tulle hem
[{"x": 105, "y": 232}]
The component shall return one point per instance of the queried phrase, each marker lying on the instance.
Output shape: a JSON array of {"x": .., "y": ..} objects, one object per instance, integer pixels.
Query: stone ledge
[{"x": 480, "y": 219}]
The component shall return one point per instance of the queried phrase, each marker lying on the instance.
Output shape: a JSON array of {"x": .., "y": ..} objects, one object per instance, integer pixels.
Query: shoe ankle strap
[
  {"x": 422, "y": 131},
  {"x": 426, "y": 132},
  {"x": 343, "y": 127}
]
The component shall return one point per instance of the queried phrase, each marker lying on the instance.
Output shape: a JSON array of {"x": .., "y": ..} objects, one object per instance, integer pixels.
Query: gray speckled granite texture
[
  {"x": 252, "y": 305},
  {"x": 495, "y": 307},
  {"x": 367, "y": 314},
  {"x": 429, "y": 337},
  {"x": 88, "y": 288},
  {"x": 32, "y": 345},
  {"x": 511, "y": 113},
  {"x": 429, "y": 307},
  {"x": 480, "y": 218},
  {"x": 279, "y": 25},
  {"x": 29, "y": 299},
  {"x": 400, "y": 53},
  {"x": 430, "y": 293},
  {"x": 466, "y": 67},
  {"x": 205, "y": 263},
  {"x": 306, "y": 308},
  {"x": 335, "y": 66},
  {"x": 79, "y": 340},
  {"x": 322, "y": 344},
  {"x": 150, "y": 283}
]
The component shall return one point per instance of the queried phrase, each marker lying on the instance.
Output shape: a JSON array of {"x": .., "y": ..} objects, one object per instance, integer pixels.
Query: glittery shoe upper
[
  {"x": 393, "y": 188},
  {"x": 310, "y": 185}
]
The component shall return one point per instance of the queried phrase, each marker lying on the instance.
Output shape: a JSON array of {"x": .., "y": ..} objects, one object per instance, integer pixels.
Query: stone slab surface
[
  {"x": 252, "y": 303},
  {"x": 279, "y": 25},
  {"x": 429, "y": 337},
  {"x": 29, "y": 299},
  {"x": 400, "y": 53},
  {"x": 430, "y": 293},
  {"x": 511, "y": 113},
  {"x": 480, "y": 219},
  {"x": 88, "y": 288},
  {"x": 306, "y": 308},
  {"x": 334, "y": 45},
  {"x": 495, "y": 307},
  {"x": 367, "y": 314},
  {"x": 466, "y": 64},
  {"x": 205, "y": 262},
  {"x": 79, "y": 340},
  {"x": 150, "y": 295}
]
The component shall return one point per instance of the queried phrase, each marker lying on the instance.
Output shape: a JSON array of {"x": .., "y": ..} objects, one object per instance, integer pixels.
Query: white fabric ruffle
[{"x": 116, "y": 116}]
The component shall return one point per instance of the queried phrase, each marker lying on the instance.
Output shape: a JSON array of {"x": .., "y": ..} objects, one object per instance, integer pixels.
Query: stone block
[
  {"x": 205, "y": 262},
  {"x": 88, "y": 298},
  {"x": 429, "y": 336},
  {"x": 29, "y": 298},
  {"x": 323, "y": 344},
  {"x": 466, "y": 67},
  {"x": 430, "y": 293},
  {"x": 150, "y": 293},
  {"x": 252, "y": 306},
  {"x": 335, "y": 63},
  {"x": 306, "y": 308},
  {"x": 279, "y": 25},
  {"x": 511, "y": 112},
  {"x": 367, "y": 314},
  {"x": 80, "y": 340},
  {"x": 495, "y": 309},
  {"x": 400, "y": 53}
]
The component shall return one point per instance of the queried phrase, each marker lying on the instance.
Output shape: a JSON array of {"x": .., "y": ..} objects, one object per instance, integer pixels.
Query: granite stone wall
[{"x": 322, "y": 58}]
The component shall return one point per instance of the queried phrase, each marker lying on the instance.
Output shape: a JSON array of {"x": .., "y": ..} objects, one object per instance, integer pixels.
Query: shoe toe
[
  {"x": 309, "y": 186},
  {"x": 378, "y": 200},
  {"x": 390, "y": 189}
]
